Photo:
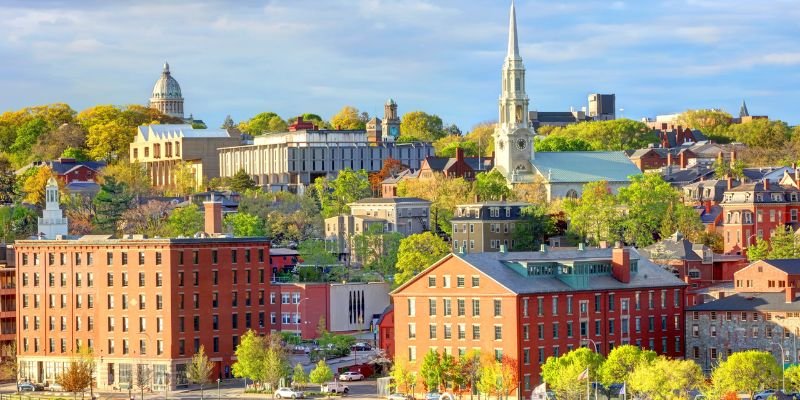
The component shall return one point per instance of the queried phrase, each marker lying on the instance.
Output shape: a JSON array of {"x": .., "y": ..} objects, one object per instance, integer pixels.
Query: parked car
[
  {"x": 54, "y": 387},
  {"x": 335, "y": 387},
  {"x": 361, "y": 346},
  {"x": 288, "y": 393},
  {"x": 399, "y": 396},
  {"x": 764, "y": 395},
  {"x": 26, "y": 387},
  {"x": 432, "y": 396},
  {"x": 351, "y": 376}
]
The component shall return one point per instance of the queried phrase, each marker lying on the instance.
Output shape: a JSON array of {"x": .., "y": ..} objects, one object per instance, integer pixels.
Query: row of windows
[
  {"x": 741, "y": 316},
  {"x": 447, "y": 307},
  {"x": 475, "y": 281},
  {"x": 755, "y": 331},
  {"x": 215, "y": 277},
  {"x": 79, "y": 257},
  {"x": 624, "y": 304},
  {"x": 63, "y": 281}
]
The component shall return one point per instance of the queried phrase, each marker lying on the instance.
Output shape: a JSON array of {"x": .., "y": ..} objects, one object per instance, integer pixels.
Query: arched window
[{"x": 572, "y": 194}]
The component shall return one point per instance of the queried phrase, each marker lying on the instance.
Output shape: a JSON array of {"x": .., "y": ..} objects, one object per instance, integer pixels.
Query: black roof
[{"x": 764, "y": 302}]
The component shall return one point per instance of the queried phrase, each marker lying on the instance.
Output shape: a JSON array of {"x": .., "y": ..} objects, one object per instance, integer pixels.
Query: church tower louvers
[{"x": 513, "y": 136}]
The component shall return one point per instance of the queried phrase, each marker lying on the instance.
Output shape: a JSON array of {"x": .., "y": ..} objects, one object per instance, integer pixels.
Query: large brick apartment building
[
  {"x": 533, "y": 305},
  {"x": 138, "y": 301}
]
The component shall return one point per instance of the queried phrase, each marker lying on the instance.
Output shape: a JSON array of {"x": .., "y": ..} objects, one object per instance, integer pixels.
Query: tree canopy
[
  {"x": 347, "y": 187},
  {"x": 349, "y": 118},
  {"x": 618, "y": 134},
  {"x": 417, "y": 252},
  {"x": 418, "y": 126}
]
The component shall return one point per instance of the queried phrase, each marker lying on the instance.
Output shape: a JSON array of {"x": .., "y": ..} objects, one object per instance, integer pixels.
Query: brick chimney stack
[
  {"x": 733, "y": 158},
  {"x": 766, "y": 184},
  {"x": 621, "y": 263},
  {"x": 213, "y": 216},
  {"x": 683, "y": 161},
  {"x": 459, "y": 153},
  {"x": 791, "y": 293},
  {"x": 730, "y": 182},
  {"x": 669, "y": 158}
]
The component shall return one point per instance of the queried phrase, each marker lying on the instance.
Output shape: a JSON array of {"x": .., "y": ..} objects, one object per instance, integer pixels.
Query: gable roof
[
  {"x": 584, "y": 166},
  {"x": 790, "y": 266},
  {"x": 675, "y": 247},
  {"x": 764, "y": 302}
]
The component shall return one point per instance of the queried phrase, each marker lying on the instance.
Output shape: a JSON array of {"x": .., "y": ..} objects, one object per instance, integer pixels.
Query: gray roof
[
  {"x": 790, "y": 266},
  {"x": 764, "y": 302},
  {"x": 662, "y": 152},
  {"x": 584, "y": 166},
  {"x": 388, "y": 200},
  {"x": 494, "y": 265},
  {"x": 675, "y": 247},
  {"x": 681, "y": 177},
  {"x": 282, "y": 251}
]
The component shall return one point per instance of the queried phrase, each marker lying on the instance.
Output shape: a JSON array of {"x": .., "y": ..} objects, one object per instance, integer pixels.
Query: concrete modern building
[
  {"x": 138, "y": 301},
  {"x": 487, "y": 226},
  {"x": 534, "y": 305},
  {"x": 763, "y": 313},
  {"x": 563, "y": 173},
  {"x": 52, "y": 223},
  {"x": 160, "y": 148},
  {"x": 404, "y": 215},
  {"x": 602, "y": 107},
  {"x": 167, "y": 96},
  {"x": 292, "y": 160}
]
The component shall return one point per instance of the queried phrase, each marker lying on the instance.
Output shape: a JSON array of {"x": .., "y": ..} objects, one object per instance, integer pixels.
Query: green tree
[
  {"x": 228, "y": 123},
  {"x": 561, "y": 373},
  {"x": 26, "y": 137},
  {"x": 618, "y": 134},
  {"x": 402, "y": 376},
  {"x": 784, "y": 244},
  {"x": 418, "y": 126},
  {"x": 313, "y": 252},
  {"x": 621, "y": 363},
  {"x": 594, "y": 216},
  {"x": 759, "y": 251},
  {"x": 132, "y": 174},
  {"x": 185, "y": 179},
  {"x": 647, "y": 199},
  {"x": 746, "y": 371},
  {"x": 792, "y": 376},
  {"x": 349, "y": 186},
  {"x": 75, "y": 153},
  {"x": 8, "y": 180},
  {"x": 185, "y": 221},
  {"x": 561, "y": 143},
  {"x": 470, "y": 149},
  {"x": 349, "y": 118},
  {"x": 431, "y": 371},
  {"x": 265, "y": 122},
  {"x": 377, "y": 250},
  {"x": 444, "y": 194},
  {"x": 489, "y": 378},
  {"x": 198, "y": 371},
  {"x": 110, "y": 202},
  {"x": 761, "y": 133},
  {"x": 492, "y": 186},
  {"x": 713, "y": 123},
  {"x": 681, "y": 218},
  {"x": 250, "y": 357},
  {"x": 533, "y": 228},
  {"x": 62, "y": 138},
  {"x": 417, "y": 252},
  {"x": 276, "y": 362},
  {"x": 469, "y": 366},
  {"x": 482, "y": 135},
  {"x": 724, "y": 169},
  {"x": 244, "y": 225},
  {"x": 664, "y": 379},
  {"x": 241, "y": 182},
  {"x": 299, "y": 376},
  {"x": 17, "y": 222},
  {"x": 321, "y": 373}
]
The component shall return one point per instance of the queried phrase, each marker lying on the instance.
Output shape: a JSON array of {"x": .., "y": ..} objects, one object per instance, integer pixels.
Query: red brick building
[
  {"x": 756, "y": 210},
  {"x": 456, "y": 167},
  {"x": 386, "y": 332},
  {"x": 533, "y": 305},
  {"x": 8, "y": 299},
  {"x": 136, "y": 301}
]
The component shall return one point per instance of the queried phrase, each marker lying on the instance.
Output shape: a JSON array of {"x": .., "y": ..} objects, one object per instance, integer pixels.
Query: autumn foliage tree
[
  {"x": 77, "y": 377},
  {"x": 390, "y": 168}
]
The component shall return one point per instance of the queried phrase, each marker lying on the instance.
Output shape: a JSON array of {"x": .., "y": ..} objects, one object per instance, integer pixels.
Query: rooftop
[
  {"x": 764, "y": 302},
  {"x": 584, "y": 166},
  {"x": 167, "y": 132},
  {"x": 390, "y": 200}
]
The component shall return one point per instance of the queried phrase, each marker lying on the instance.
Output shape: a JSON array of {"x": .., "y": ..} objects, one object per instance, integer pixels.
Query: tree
[
  {"x": 792, "y": 377},
  {"x": 469, "y": 366},
  {"x": 321, "y": 373},
  {"x": 784, "y": 244},
  {"x": 313, "y": 252},
  {"x": 533, "y": 192},
  {"x": 444, "y": 194},
  {"x": 647, "y": 199},
  {"x": 8, "y": 366},
  {"x": 276, "y": 362},
  {"x": 761, "y": 133},
  {"x": 724, "y": 169},
  {"x": 241, "y": 182},
  {"x": 17, "y": 222},
  {"x": 110, "y": 202},
  {"x": 594, "y": 216},
  {"x": 561, "y": 143},
  {"x": 244, "y": 225},
  {"x": 621, "y": 363},
  {"x": 75, "y": 153},
  {"x": 431, "y": 371},
  {"x": 334, "y": 195},
  {"x": 26, "y": 137},
  {"x": 143, "y": 377},
  {"x": 561, "y": 373},
  {"x": 664, "y": 379},
  {"x": 489, "y": 378},
  {"x": 65, "y": 137},
  {"x": 681, "y": 218},
  {"x": 470, "y": 149},
  {"x": 390, "y": 168},
  {"x": 261, "y": 123},
  {"x": 349, "y": 118},
  {"x": 535, "y": 226},
  {"x": 199, "y": 370},
  {"x": 35, "y": 184},
  {"x": 377, "y": 250},
  {"x": 77, "y": 377},
  {"x": 759, "y": 251},
  {"x": 8, "y": 180},
  {"x": 185, "y": 176},
  {"x": 402, "y": 376},
  {"x": 482, "y": 135},
  {"x": 109, "y": 141},
  {"x": 299, "y": 376},
  {"x": 147, "y": 219},
  {"x": 250, "y": 357},
  {"x": 713, "y": 123},
  {"x": 492, "y": 186},
  {"x": 132, "y": 174},
  {"x": 509, "y": 374},
  {"x": 618, "y": 134},
  {"x": 417, "y": 252},
  {"x": 228, "y": 123},
  {"x": 746, "y": 371},
  {"x": 185, "y": 221},
  {"x": 418, "y": 126}
]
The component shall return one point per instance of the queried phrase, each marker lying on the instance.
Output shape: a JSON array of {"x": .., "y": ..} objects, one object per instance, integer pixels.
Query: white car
[
  {"x": 288, "y": 393},
  {"x": 54, "y": 387},
  {"x": 351, "y": 376},
  {"x": 335, "y": 387}
]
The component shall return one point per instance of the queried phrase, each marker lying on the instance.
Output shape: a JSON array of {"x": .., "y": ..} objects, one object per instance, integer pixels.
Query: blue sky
[{"x": 440, "y": 56}]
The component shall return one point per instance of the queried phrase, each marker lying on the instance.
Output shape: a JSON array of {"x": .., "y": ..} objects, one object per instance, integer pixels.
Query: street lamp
[
  {"x": 218, "y": 397},
  {"x": 595, "y": 347},
  {"x": 297, "y": 317},
  {"x": 783, "y": 367}
]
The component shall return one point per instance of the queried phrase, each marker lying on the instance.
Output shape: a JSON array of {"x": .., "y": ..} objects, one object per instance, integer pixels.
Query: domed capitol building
[{"x": 167, "y": 96}]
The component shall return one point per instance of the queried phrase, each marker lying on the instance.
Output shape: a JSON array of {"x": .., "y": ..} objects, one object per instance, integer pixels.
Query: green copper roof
[{"x": 584, "y": 166}]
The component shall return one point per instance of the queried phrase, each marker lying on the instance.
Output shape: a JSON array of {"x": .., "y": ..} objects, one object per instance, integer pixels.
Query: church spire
[
  {"x": 743, "y": 110},
  {"x": 513, "y": 45}
]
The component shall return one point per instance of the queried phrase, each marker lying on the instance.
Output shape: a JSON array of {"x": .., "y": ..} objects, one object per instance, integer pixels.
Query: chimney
[
  {"x": 733, "y": 158},
  {"x": 730, "y": 182},
  {"x": 663, "y": 126},
  {"x": 621, "y": 263},
  {"x": 797, "y": 178},
  {"x": 213, "y": 216},
  {"x": 543, "y": 248},
  {"x": 459, "y": 153},
  {"x": 766, "y": 184},
  {"x": 669, "y": 158},
  {"x": 683, "y": 160},
  {"x": 707, "y": 204},
  {"x": 603, "y": 244},
  {"x": 791, "y": 293},
  {"x": 679, "y": 136}
]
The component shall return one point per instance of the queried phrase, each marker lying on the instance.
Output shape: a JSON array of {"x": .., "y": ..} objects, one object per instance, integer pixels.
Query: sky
[{"x": 440, "y": 56}]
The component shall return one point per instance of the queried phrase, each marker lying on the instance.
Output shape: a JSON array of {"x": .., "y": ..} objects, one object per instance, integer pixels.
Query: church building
[{"x": 563, "y": 173}]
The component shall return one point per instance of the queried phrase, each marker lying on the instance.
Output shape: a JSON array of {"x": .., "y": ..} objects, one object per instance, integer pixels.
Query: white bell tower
[
  {"x": 513, "y": 136},
  {"x": 52, "y": 223}
]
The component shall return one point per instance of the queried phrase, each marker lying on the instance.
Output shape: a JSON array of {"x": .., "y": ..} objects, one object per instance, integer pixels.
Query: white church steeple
[
  {"x": 513, "y": 136},
  {"x": 52, "y": 223}
]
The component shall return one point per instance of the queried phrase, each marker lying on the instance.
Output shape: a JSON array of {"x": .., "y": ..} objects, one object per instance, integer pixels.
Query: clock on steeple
[{"x": 391, "y": 122}]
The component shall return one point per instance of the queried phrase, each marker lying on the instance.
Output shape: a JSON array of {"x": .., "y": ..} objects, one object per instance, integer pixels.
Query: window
[
  {"x": 412, "y": 307},
  {"x": 460, "y": 307},
  {"x": 432, "y": 307},
  {"x": 476, "y": 307},
  {"x": 141, "y": 279},
  {"x": 460, "y": 281},
  {"x": 462, "y": 332},
  {"x": 555, "y": 305},
  {"x": 432, "y": 331},
  {"x": 476, "y": 281},
  {"x": 555, "y": 330},
  {"x": 476, "y": 332},
  {"x": 431, "y": 281},
  {"x": 498, "y": 308},
  {"x": 448, "y": 331},
  {"x": 412, "y": 331}
]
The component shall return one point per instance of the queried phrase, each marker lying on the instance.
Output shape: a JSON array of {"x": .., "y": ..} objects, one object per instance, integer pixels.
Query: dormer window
[
  {"x": 508, "y": 212},
  {"x": 759, "y": 197}
]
